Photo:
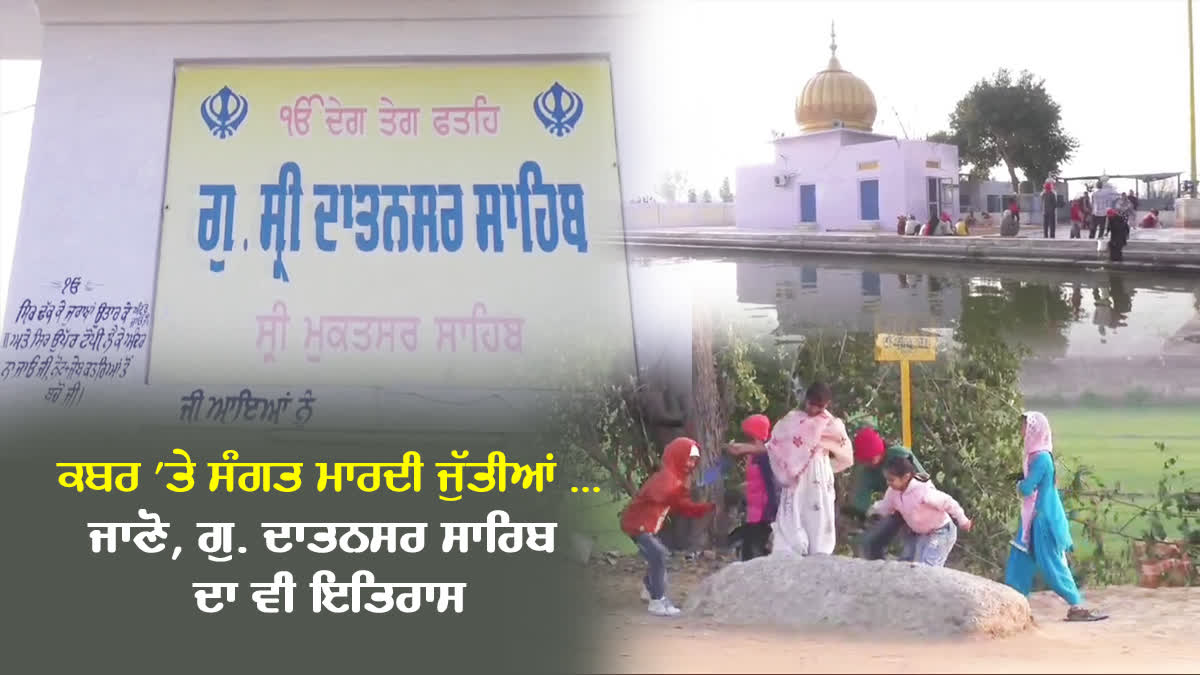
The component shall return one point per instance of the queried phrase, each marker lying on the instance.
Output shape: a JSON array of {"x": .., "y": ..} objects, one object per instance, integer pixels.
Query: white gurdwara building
[{"x": 836, "y": 174}]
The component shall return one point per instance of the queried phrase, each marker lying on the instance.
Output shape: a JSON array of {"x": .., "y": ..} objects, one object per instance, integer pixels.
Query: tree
[
  {"x": 707, "y": 196},
  {"x": 1011, "y": 122},
  {"x": 942, "y": 137},
  {"x": 692, "y": 199},
  {"x": 726, "y": 191},
  {"x": 672, "y": 186}
]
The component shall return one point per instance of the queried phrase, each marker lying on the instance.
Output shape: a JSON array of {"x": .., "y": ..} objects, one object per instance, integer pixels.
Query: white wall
[
  {"x": 94, "y": 184},
  {"x": 759, "y": 205},
  {"x": 671, "y": 215}
]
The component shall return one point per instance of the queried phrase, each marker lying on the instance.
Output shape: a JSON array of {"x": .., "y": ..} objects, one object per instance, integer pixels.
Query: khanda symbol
[
  {"x": 224, "y": 112},
  {"x": 558, "y": 109}
]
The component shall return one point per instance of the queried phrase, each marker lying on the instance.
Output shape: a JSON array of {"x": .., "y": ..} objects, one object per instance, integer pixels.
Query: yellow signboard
[
  {"x": 905, "y": 347},
  {"x": 407, "y": 224}
]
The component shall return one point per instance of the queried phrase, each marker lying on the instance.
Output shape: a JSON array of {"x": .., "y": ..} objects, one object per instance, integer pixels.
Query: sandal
[{"x": 1081, "y": 614}]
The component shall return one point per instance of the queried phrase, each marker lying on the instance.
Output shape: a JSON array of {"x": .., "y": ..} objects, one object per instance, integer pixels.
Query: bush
[{"x": 1113, "y": 522}]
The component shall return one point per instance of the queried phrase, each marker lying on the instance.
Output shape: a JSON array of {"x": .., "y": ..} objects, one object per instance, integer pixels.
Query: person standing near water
[
  {"x": 1010, "y": 224},
  {"x": 1044, "y": 535},
  {"x": 1049, "y": 210},
  {"x": 1105, "y": 198},
  {"x": 1118, "y": 233}
]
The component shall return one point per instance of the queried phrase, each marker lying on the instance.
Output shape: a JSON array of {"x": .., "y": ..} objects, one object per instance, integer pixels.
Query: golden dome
[{"x": 835, "y": 98}]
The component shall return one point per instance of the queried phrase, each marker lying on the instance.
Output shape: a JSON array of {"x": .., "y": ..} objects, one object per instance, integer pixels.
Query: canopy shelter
[{"x": 1155, "y": 190}]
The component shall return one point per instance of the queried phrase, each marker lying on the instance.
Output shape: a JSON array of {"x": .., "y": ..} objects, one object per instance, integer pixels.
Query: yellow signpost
[{"x": 905, "y": 349}]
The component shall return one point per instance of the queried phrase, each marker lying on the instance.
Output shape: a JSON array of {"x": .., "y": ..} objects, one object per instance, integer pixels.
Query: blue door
[
  {"x": 868, "y": 200},
  {"x": 808, "y": 203}
]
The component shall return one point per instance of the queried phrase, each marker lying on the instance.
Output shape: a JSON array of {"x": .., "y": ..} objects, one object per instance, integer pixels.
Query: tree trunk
[
  {"x": 709, "y": 427},
  {"x": 1012, "y": 176}
]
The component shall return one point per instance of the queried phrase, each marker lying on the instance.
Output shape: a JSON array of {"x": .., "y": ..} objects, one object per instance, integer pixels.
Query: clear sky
[{"x": 728, "y": 72}]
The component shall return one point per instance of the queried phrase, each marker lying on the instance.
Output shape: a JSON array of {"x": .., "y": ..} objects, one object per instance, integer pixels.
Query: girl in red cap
[
  {"x": 666, "y": 492},
  {"x": 762, "y": 495}
]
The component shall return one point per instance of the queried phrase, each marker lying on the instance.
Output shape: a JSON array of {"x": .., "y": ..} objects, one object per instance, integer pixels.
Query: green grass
[{"x": 1117, "y": 442}]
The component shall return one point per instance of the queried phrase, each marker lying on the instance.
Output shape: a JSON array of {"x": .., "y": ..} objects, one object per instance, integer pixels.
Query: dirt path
[{"x": 1150, "y": 631}]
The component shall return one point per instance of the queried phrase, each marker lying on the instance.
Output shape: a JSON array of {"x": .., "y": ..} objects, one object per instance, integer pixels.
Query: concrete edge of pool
[{"x": 1157, "y": 255}]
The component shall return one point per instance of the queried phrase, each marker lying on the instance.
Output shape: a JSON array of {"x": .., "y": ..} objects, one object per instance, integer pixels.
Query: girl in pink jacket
[{"x": 929, "y": 513}]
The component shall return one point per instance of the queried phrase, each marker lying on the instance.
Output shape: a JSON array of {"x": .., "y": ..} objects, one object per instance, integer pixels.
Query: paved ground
[
  {"x": 1150, "y": 631},
  {"x": 1165, "y": 235}
]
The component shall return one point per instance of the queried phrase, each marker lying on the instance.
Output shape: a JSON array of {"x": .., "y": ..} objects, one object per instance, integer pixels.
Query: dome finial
[{"x": 834, "y": 64}]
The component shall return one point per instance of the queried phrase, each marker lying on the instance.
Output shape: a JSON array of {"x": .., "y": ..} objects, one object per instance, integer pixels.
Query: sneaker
[
  {"x": 663, "y": 607},
  {"x": 645, "y": 594}
]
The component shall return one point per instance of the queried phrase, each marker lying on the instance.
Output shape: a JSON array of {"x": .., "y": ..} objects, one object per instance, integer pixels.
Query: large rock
[{"x": 861, "y": 596}]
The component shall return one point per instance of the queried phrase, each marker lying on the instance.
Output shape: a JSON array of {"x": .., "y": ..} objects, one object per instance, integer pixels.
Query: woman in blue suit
[{"x": 1044, "y": 536}]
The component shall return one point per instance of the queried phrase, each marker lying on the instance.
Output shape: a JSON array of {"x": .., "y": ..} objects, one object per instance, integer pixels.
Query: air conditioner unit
[{"x": 782, "y": 180}]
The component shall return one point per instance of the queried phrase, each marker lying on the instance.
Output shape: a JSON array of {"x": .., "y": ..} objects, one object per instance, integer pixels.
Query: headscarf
[
  {"x": 1038, "y": 439},
  {"x": 868, "y": 446}
]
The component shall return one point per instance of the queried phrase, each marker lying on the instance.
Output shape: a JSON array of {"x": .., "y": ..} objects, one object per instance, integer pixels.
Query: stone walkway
[{"x": 1173, "y": 250}]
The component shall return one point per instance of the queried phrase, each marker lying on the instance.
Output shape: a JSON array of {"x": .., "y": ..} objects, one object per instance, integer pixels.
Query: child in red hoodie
[{"x": 665, "y": 492}]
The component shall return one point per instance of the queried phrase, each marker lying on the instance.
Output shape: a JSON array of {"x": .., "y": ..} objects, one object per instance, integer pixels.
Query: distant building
[{"x": 836, "y": 174}]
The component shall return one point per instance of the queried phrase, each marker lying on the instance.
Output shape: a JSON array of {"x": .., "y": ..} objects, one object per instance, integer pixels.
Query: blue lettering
[
  {"x": 347, "y": 197},
  {"x": 368, "y": 240},
  {"x": 395, "y": 237},
  {"x": 216, "y": 222},
  {"x": 546, "y": 214},
  {"x": 488, "y": 221},
  {"x": 574, "y": 228},
  {"x": 512, "y": 223},
  {"x": 424, "y": 217},
  {"x": 325, "y": 214},
  {"x": 452, "y": 218},
  {"x": 273, "y": 229},
  {"x": 545, "y": 219}
]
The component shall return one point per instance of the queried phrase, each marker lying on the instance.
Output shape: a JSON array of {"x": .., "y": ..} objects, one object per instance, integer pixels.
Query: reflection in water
[
  {"x": 808, "y": 277},
  {"x": 1068, "y": 313},
  {"x": 1083, "y": 327},
  {"x": 871, "y": 284}
]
